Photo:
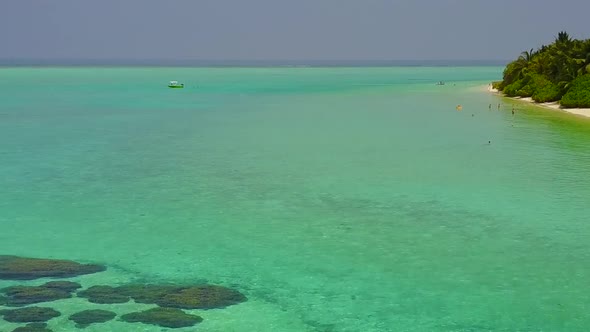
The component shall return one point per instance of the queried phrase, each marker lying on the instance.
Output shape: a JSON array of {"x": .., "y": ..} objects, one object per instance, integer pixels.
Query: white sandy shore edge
[{"x": 552, "y": 106}]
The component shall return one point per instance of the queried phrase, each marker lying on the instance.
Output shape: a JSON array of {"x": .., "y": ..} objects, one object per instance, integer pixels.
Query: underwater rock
[
  {"x": 33, "y": 327},
  {"x": 103, "y": 295},
  {"x": 84, "y": 318},
  {"x": 22, "y": 268},
  {"x": 183, "y": 297},
  {"x": 201, "y": 297},
  {"x": 148, "y": 294},
  {"x": 165, "y": 317},
  {"x": 17, "y": 296},
  {"x": 29, "y": 314},
  {"x": 66, "y": 286}
]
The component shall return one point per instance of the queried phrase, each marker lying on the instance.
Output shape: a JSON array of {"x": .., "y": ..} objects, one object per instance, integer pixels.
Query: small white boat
[{"x": 175, "y": 85}]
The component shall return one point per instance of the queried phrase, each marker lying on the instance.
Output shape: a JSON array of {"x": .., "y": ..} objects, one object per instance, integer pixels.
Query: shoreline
[{"x": 585, "y": 112}]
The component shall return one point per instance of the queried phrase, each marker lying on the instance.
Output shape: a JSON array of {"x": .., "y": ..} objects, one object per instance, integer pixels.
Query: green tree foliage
[
  {"x": 548, "y": 73},
  {"x": 497, "y": 85},
  {"x": 511, "y": 90},
  {"x": 578, "y": 94},
  {"x": 545, "y": 90}
]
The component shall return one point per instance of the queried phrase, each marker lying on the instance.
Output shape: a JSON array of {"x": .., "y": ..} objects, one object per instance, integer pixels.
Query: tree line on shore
[{"x": 556, "y": 72}]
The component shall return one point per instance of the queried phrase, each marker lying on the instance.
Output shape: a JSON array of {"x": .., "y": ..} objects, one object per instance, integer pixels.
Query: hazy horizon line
[{"x": 238, "y": 62}]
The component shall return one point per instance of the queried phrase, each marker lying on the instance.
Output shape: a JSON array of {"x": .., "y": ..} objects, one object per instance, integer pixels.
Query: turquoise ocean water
[{"x": 336, "y": 199}]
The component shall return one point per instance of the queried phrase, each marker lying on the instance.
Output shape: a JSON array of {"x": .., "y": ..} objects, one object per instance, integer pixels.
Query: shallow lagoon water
[{"x": 336, "y": 199}]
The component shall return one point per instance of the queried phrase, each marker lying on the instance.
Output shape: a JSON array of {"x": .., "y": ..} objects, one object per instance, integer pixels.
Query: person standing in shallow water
[{"x": 498, "y": 107}]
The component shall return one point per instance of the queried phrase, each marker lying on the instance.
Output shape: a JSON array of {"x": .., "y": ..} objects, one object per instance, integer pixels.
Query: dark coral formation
[
  {"x": 33, "y": 327},
  {"x": 87, "y": 317},
  {"x": 29, "y": 315},
  {"x": 165, "y": 317},
  {"x": 22, "y": 268},
  {"x": 24, "y": 295},
  {"x": 16, "y": 296},
  {"x": 201, "y": 297},
  {"x": 184, "y": 297},
  {"x": 66, "y": 286},
  {"x": 171, "y": 299},
  {"x": 148, "y": 294},
  {"x": 103, "y": 295}
]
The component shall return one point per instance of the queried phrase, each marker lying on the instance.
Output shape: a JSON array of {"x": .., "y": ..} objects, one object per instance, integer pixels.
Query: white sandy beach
[{"x": 553, "y": 106}]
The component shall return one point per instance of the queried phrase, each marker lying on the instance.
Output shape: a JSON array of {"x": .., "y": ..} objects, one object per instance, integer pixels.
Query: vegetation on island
[{"x": 556, "y": 72}]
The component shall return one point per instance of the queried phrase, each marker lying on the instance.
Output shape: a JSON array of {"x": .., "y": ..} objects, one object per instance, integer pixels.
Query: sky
[{"x": 285, "y": 30}]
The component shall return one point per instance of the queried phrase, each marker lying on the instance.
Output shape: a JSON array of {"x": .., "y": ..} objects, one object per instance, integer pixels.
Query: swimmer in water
[{"x": 490, "y": 107}]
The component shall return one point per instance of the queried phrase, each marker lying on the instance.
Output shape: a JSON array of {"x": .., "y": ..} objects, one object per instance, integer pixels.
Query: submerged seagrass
[
  {"x": 86, "y": 318},
  {"x": 24, "y": 295},
  {"x": 185, "y": 297},
  {"x": 15, "y": 296},
  {"x": 23, "y": 268},
  {"x": 165, "y": 317},
  {"x": 29, "y": 314},
  {"x": 33, "y": 327}
]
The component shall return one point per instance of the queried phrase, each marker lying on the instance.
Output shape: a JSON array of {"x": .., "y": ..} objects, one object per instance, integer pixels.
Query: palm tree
[
  {"x": 519, "y": 68},
  {"x": 584, "y": 56},
  {"x": 541, "y": 63},
  {"x": 527, "y": 56},
  {"x": 563, "y": 38}
]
